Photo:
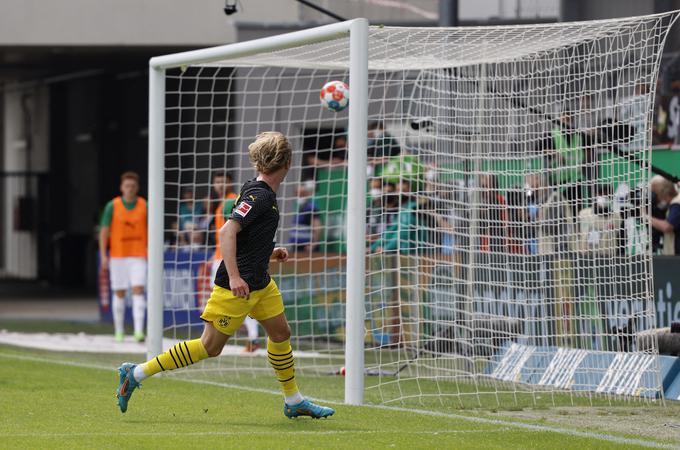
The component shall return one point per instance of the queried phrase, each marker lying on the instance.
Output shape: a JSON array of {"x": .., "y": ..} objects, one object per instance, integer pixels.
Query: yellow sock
[
  {"x": 180, "y": 355},
  {"x": 281, "y": 358}
]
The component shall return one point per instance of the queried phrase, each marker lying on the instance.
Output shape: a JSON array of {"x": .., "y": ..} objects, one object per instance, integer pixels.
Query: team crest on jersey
[
  {"x": 224, "y": 321},
  {"x": 243, "y": 209}
]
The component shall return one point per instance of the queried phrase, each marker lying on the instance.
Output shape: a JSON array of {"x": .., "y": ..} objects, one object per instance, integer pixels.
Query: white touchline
[
  {"x": 507, "y": 423},
  {"x": 250, "y": 433}
]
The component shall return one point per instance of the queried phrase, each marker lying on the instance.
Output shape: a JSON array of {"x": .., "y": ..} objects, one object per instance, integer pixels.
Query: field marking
[
  {"x": 251, "y": 433},
  {"x": 506, "y": 423},
  {"x": 104, "y": 343}
]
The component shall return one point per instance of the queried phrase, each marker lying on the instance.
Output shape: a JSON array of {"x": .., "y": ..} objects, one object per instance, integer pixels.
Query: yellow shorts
[{"x": 227, "y": 312}]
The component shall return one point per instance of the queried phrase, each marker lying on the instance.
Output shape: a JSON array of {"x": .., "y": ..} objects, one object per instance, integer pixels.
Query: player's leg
[
  {"x": 118, "y": 312},
  {"x": 280, "y": 355},
  {"x": 138, "y": 312},
  {"x": 119, "y": 286},
  {"x": 223, "y": 316},
  {"x": 137, "y": 271},
  {"x": 250, "y": 323},
  {"x": 180, "y": 355},
  {"x": 269, "y": 312},
  {"x": 184, "y": 353}
]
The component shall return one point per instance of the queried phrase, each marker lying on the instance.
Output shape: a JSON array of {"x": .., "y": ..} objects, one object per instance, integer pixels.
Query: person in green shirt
[
  {"x": 190, "y": 210},
  {"x": 123, "y": 234},
  {"x": 569, "y": 157}
]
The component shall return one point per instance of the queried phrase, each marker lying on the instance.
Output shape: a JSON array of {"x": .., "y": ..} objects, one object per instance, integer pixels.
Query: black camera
[{"x": 230, "y": 8}]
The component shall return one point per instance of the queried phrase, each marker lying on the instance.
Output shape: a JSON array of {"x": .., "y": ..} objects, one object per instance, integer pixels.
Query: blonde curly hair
[{"x": 270, "y": 151}]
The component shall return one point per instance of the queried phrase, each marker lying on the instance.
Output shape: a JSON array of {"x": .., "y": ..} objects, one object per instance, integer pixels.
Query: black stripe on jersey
[
  {"x": 181, "y": 353},
  {"x": 282, "y": 354},
  {"x": 177, "y": 366},
  {"x": 159, "y": 364},
  {"x": 188, "y": 353},
  {"x": 287, "y": 379}
]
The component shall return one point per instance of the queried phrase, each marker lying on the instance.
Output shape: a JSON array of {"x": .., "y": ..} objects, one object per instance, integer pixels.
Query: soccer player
[
  {"x": 243, "y": 285},
  {"x": 124, "y": 232},
  {"x": 222, "y": 183}
]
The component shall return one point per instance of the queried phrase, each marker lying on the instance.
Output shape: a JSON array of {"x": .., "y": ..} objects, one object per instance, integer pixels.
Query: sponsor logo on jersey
[{"x": 243, "y": 209}]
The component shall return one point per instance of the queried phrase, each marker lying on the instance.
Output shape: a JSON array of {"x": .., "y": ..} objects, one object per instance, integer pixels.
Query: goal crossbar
[{"x": 247, "y": 48}]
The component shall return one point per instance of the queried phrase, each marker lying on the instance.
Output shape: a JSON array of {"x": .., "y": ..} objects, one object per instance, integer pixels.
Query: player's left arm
[{"x": 280, "y": 254}]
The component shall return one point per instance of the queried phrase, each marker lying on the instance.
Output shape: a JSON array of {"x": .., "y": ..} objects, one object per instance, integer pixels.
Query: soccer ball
[{"x": 335, "y": 96}]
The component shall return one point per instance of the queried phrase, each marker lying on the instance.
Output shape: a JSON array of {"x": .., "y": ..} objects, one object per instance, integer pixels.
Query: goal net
[{"x": 506, "y": 189}]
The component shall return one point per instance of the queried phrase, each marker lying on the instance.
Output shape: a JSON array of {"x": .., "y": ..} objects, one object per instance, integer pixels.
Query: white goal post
[
  {"x": 356, "y": 218},
  {"x": 472, "y": 228}
]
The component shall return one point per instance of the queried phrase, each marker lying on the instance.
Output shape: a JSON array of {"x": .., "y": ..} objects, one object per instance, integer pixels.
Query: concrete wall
[
  {"x": 26, "y": 124},
  {"x": 375, "y": 11},
  {"x": 574, "y": 10},
  {"x": 125, "y": 22},
  {"x": 176, "y": 22}
]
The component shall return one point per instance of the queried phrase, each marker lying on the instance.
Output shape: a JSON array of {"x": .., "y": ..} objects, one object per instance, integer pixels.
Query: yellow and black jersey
[{"x": 258, "y": 214}]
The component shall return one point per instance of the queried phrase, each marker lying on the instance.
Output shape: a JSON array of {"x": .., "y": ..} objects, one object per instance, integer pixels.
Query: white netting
[{"x": 507, "y": 243}]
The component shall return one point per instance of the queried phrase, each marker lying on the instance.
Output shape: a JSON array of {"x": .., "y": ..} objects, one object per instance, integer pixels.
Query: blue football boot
[
  {"x": 127, "y": 385},
  {"x": 307, "y": 408}
]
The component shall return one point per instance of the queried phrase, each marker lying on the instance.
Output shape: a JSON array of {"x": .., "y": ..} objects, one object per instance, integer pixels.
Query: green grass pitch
[{"x": 53, "y": 400}]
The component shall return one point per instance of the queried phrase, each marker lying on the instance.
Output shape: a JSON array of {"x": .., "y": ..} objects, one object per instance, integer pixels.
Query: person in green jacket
[
  {"x": 570, "y": 160},
  {"x": 402, "y": 234},
  {"x": 394, "y": 269}
]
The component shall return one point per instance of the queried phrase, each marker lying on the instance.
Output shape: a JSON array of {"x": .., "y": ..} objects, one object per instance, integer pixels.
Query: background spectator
[
  {"x": 221, "y": 189},
  {"x": 194, "y": 238},
  {"x": 190, "y": 210},
  {"x": 628, "y": 203},
  {"x": 339, "y": 151},
  {"x": 335, "y": 156},
  {"x": 306, "y": 232},
  {"x": 569, "y": 156},
  {"x": 600, "y": 227},
  {"x": 172, "y": 236},
  {"x": 670, "y": 226},
  {"x": 633, "y": 113},
  {"x": 557, "y": 225},
  {"x": 222, "y": 192},
  {"x": 381, "y": 147},
  {"x": 524, "y": 205},
  {"x": 382, "y": 208},
  {"x": 659, "y": 212},
  {"x": 402, "y": 234},
  {"x": 493, "y": 215}
]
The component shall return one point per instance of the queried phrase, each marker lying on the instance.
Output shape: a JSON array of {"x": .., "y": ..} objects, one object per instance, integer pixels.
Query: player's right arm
[
  {"x": 228, "y": 234},
  {"x": 104, "y": 234}
]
